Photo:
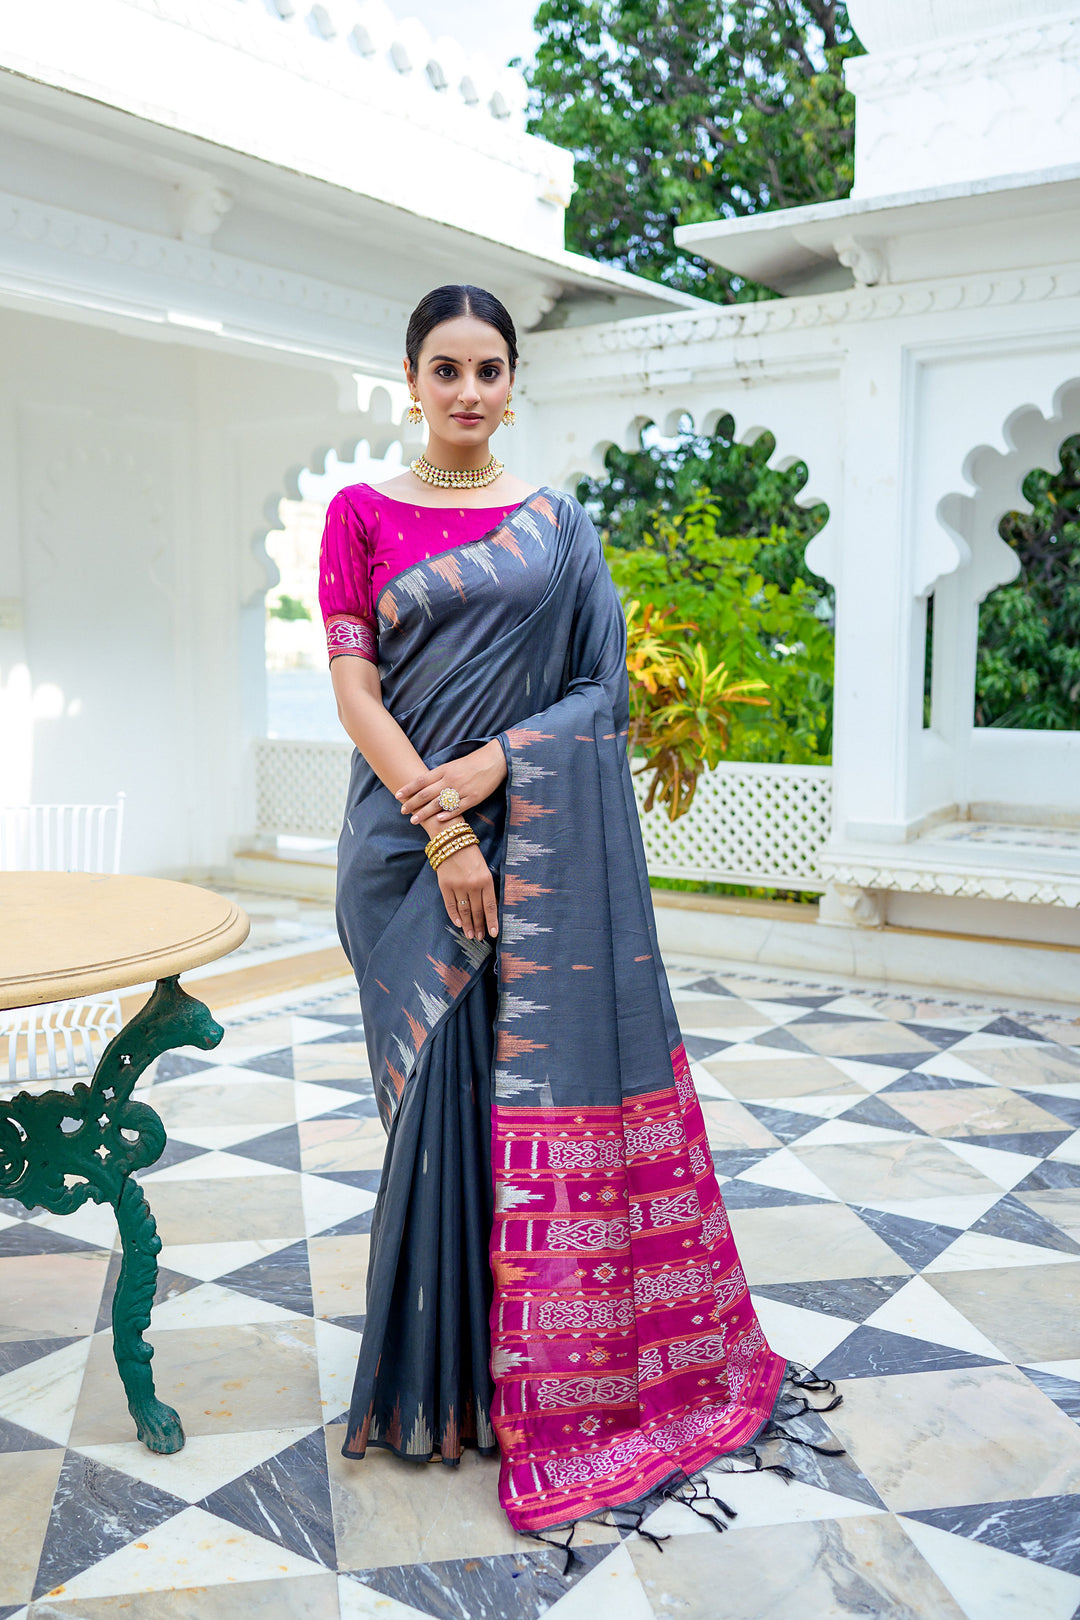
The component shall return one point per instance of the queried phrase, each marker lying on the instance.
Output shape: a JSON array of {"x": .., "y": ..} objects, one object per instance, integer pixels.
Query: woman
[{"x": 552, "y": 1273}]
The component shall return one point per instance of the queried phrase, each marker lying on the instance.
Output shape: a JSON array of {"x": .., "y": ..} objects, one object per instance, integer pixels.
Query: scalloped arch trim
[{"x": 1032, "y": 440}]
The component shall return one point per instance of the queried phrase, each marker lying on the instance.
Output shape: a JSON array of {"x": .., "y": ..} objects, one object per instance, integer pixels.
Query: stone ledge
[
  {"x": 889, "y": 956},
  {"x": 735, "y": 905}
]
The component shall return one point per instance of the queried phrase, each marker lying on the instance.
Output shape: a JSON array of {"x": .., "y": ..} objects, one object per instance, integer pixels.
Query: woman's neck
[{"x": 457, "y": 457}]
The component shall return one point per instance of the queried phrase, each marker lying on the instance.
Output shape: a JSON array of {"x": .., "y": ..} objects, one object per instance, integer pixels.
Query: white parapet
[
  {"x": 963, "y": 90},
  {"x": 342, "y": 92}
]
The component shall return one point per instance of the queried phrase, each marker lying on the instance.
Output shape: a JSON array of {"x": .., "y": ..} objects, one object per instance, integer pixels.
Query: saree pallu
[{"x": 624, "y": 1348}]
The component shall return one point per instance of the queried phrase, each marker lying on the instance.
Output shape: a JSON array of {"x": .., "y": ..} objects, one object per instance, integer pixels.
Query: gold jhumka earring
[
  {"x": 508, "y": 417},
  {"x": 414, "y": 415}
]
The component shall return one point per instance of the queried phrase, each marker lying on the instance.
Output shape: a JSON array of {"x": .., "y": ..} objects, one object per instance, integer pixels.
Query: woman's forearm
[
  {"x": 391, "y": 755},
  {"x": 381, "y": 740},
  {"x": 375, "y": 732}
]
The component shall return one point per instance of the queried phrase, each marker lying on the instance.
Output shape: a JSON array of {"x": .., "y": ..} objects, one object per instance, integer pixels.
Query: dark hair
[{"x": 446, "y": 304}]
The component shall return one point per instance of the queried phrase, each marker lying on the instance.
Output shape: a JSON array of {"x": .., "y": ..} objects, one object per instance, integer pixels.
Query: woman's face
[{"x": 462, "y": 378}]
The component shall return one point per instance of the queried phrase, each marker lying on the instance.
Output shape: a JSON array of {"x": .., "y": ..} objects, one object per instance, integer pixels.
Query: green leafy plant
[
  {"x": 1027, "y": 673},
  {"x": 680, "y": 704},
  {"x": 750, "y": 497}
]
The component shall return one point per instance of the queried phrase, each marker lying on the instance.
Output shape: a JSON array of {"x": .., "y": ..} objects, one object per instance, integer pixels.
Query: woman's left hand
[{"x": 475, "y": 776}]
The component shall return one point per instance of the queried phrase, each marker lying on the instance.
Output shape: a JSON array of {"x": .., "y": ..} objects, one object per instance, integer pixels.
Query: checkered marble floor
[{"x": 903, "y": 1178}]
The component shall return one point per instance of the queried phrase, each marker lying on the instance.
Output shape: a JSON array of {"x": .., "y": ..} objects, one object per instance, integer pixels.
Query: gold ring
[{"x": 449, "y": 798}]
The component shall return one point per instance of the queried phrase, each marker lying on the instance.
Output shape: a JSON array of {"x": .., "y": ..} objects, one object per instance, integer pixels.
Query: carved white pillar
[{"x": 878, "y": 625}]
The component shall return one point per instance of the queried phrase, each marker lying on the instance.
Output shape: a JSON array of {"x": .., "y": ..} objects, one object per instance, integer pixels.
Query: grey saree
[{"x": 552, "y": 1272}]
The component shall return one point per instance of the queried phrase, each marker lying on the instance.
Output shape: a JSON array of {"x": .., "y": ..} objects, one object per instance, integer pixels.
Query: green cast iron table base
[{"x": 62, "y": 1149}]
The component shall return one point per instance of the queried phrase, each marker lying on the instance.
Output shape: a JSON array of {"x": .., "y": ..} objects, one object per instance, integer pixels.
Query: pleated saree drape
[{"x": 548, "y": 1199}]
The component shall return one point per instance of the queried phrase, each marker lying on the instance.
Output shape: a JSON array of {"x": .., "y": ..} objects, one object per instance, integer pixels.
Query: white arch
[
  {"x": 375, "y": 426},
  {"x": 1033, "y": 440},
  {"x": 781, "y": 459}
]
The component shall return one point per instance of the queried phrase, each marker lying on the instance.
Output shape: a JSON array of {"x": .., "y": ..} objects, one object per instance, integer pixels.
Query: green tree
[
  {"x": 1027, "y": 673},
  {"x": 687, "y": 110},
  {"x": 754, "y": 626}
]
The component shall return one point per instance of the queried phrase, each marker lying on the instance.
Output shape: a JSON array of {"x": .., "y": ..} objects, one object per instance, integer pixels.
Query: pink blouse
[{"x": 368, "y": 539}]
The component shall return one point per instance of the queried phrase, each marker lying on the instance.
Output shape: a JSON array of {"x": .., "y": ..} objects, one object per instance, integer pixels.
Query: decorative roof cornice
[
  {"x": 357, "y": 50},
  {"x": 642, "y": 334},
  {"x": 377, "y": 45},
  {"x": 149, "y": 267},
  {"x": 1043, "y": 889}
]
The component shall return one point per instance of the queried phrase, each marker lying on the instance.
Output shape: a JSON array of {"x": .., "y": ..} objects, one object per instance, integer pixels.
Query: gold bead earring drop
[
  {"x": 414, "y": 415},
  {"x": 508, "y": 417}
]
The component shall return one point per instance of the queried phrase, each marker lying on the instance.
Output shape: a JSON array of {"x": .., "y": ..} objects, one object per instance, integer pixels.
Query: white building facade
[
  {"x": 214, "y": 214},
  {"x": 924, "y": 358}
]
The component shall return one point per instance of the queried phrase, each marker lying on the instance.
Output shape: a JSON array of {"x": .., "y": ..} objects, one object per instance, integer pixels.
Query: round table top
[{"x": 66, "y": 934}]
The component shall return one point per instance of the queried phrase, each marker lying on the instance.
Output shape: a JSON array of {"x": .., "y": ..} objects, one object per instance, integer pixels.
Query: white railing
[
  {"x": 61, "y": 837},
  {"x": 761, "y": 825}
]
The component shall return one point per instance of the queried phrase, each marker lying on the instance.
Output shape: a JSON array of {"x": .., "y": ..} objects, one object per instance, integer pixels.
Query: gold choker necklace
[{"x": 457, "y": 478}]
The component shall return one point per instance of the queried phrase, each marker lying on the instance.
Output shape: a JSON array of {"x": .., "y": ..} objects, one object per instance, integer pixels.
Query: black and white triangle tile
[{"x": 903, "y": 1178}]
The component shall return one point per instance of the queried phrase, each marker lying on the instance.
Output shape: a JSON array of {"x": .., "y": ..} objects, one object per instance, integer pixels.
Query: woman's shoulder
[
  {"x": 355, "y": 497},
  {"x": 356, "y": 506},
  {"x": 563, "y": 499},
  {"x": 571, "y": 509}
]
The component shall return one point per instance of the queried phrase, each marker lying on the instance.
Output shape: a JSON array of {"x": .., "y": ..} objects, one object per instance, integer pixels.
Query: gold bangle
[
  {"x": 451, "y": 849},
  {"x": 445, "y": 835},
  {"x": 446, "y": 849},
  {"x": 441, "y": 843},
  {"x": 437, "y": 863},
  {"x": 452, "y": 826},
  {"x": 441, "y": 855}
]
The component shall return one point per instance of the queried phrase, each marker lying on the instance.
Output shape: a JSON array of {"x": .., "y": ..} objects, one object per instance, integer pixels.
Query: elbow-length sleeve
[{"x": 345, "y": 584}]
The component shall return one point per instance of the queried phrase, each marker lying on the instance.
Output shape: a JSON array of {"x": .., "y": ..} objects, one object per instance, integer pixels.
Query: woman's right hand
[{"x": 468, "y": 892}]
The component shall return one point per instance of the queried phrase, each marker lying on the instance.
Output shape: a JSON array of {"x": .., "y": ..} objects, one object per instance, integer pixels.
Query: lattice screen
[
  {"x": 756, "y": 824},
  {"x": 300, "y": 787}
]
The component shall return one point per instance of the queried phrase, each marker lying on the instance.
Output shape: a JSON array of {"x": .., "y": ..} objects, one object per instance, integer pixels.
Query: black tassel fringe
[
  {"x": 693, "y": 1489},
  {"x": 791, "y": 1404},
  {"x": 572, "y": 1557}
]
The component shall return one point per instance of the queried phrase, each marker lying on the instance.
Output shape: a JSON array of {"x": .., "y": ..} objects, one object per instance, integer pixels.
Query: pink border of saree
[{"x": 625, "y": 1347}]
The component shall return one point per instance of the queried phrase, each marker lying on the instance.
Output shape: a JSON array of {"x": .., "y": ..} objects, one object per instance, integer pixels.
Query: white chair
[{"x": 60, "y": 1038}]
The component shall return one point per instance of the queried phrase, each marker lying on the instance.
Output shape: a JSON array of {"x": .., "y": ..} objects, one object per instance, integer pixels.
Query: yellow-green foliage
[
  {"x": 752, "y": 626},
  {"x": 680, "y": 703}
]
